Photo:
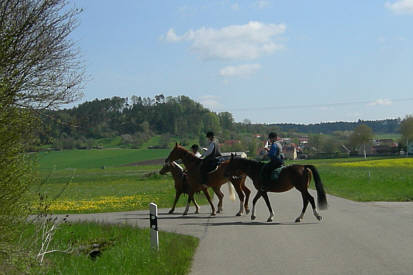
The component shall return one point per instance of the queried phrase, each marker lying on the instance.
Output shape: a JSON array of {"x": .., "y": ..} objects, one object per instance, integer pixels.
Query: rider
[
  {"x": 275, "y": 156},
  {"x": 194, "y": 149},
  {"x": 209, "y": 157}
]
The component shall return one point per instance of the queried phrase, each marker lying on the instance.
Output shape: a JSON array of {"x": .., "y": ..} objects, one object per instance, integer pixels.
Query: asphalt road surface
[{"x": 353, "y": 238}]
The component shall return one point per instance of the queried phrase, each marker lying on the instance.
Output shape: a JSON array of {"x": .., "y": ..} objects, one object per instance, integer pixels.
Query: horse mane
[{"x": 189, "y": 153}]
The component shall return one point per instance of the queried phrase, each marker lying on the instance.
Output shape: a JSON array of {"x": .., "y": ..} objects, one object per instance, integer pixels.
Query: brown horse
[
  {"x": 298, "y": 176},
  {"x": 182, "y": 186},
  {"x": 215, "y": 179}
]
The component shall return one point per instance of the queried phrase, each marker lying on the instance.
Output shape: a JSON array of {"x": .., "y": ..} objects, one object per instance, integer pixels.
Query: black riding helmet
[
  {"x": 210, "y": 134},
  {"x": 272, "y": 135}
]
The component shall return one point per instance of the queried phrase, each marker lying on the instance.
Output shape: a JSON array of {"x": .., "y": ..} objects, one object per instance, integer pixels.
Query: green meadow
[{"x": 95, "y": 158}]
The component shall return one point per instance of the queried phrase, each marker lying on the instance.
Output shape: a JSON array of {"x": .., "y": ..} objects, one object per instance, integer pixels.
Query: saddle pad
[{"x": 275, "y": 174}]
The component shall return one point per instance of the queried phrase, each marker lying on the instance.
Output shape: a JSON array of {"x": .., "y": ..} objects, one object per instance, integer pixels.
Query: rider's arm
[
  {"x": 267, "y": 146},
  {"x": 209, "y": 151}
]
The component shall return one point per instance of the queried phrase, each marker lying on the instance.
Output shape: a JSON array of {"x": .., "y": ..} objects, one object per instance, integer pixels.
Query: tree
[
  {"x": 39, "y": 70},
  {"x": 361, "y": 135},
  {"x": 406, "y": 129}
]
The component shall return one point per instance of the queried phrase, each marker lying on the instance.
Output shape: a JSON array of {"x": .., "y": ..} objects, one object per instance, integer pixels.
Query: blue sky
[{"x": 265, "y": 61}]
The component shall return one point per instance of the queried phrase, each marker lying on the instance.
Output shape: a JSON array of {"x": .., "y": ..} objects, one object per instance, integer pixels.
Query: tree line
[{"x": 137, "y": 119}]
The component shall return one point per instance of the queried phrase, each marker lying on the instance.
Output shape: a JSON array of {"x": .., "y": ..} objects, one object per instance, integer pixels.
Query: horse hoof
[
  {"x": 184, "y": 214},
  {"x": 319, "y": 218},
  {"x": 247, "y": 211},
  {"x": 253, "y": 218},
  {"x": 238, "y": 214},
  {"x": 196, "y": 212},
  {"x": 171, "y": 211},
  {"x": 298, "y": 220},
  {"x": 269, "y": 220},
  {"x": 213, "y": 214}
]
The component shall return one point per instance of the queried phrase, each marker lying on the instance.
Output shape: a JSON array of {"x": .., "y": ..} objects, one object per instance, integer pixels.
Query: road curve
[{"x": 353, "y": 238}]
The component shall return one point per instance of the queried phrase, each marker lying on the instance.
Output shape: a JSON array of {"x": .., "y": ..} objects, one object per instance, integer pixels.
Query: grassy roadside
[{"x": 122, "y": 249}]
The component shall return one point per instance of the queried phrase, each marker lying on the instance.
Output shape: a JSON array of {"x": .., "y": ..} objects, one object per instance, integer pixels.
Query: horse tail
[
  {"x": 321, "y": 194},
  {"x": 231, "y": 191}
]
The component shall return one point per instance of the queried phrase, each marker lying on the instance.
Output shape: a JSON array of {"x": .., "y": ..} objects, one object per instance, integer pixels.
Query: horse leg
[
  {"x": 196, "y": 205},
  {"x": 220, "y": 197},
  {"x": 311, "y": 199},
  {"x": 247, "y": 197},
  {"x": 190, "y": 197},
  {"x": 209, "y": 200},
  {"x": 305, "y": 204},
  {"x": 241, "y": 198},
  {"x": 259, "y": 194},
  {"x": 267, "y": 201},
  {"x": 177, "y": 195}
]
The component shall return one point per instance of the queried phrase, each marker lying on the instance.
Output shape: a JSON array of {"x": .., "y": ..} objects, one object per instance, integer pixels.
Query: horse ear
[
  {"x": 176, "y": 144},
  {"x": 232, "y": 156}
]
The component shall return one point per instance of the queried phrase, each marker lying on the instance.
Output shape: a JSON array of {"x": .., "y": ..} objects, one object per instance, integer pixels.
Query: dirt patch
[{"x": 146, "y": 162}]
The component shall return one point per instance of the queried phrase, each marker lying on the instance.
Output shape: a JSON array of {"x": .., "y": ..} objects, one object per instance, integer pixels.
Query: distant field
[{"x": 87, "y": 159}]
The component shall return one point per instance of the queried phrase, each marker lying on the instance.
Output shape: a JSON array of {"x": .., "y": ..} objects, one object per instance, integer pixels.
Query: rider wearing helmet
[
  {"x": 194, "y": 149},
  {"x": 209, "y": 157}
]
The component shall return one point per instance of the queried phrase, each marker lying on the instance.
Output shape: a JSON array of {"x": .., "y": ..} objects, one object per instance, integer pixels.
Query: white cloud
[
  {"x": 401, "y": 6},
  {"x": 381, "y": 101},
  {"x": 248, "y": 41},
  {"x": 240, "y": 70},
  {"x": 210, "y": 101},
  {"x": 171, "y": 36}
]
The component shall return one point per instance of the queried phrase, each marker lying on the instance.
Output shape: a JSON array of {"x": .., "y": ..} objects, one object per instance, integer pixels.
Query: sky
[{"x": 262, "y": 61}]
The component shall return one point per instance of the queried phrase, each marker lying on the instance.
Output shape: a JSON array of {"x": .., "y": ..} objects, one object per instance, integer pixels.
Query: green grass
[
  {"x": 86, "y": 159},
  {"x": 124, "y": 250}
]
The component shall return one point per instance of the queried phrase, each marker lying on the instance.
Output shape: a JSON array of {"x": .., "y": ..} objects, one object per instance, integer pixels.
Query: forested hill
[
  {"x": 138, "y": 119},
  {"x": 378, "y": 126}
]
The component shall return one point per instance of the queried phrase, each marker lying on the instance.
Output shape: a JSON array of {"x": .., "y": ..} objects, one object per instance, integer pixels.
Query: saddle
[{"x": 214, "y": 164}]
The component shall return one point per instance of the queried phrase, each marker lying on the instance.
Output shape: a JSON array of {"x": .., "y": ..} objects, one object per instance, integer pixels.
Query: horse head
[
  {"x": 167, "y": 167},
  {"x": 175, "y": 154}
]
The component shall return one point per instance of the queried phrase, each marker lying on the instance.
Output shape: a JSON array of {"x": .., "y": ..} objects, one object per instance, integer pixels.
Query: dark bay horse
[
  {"x": 183, "y": 186},
  {"x": 215, "y": 179},
  {"x": 298, "y": 176}
]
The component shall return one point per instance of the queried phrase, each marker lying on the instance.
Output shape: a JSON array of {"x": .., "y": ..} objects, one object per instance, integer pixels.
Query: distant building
[{"x": 384, "y": 146}]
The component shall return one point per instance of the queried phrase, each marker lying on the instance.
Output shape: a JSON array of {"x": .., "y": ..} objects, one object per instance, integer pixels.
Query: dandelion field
[{"x": 71, "y": 188}]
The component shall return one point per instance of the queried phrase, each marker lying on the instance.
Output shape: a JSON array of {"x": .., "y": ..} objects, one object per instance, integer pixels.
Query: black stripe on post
[{"x": 154, "y": 222}]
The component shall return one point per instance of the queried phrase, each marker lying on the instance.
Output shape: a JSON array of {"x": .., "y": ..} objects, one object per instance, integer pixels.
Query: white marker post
[{"x": 153, "y": 217}]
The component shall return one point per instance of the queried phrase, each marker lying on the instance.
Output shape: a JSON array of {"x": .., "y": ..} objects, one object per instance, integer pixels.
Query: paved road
[{"x": 353, "y": 238}]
